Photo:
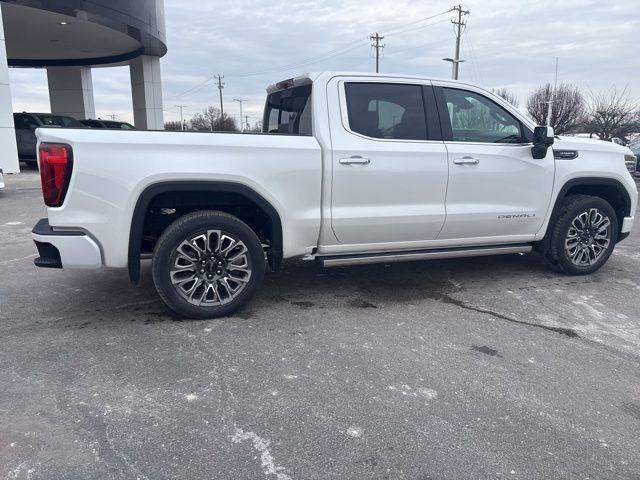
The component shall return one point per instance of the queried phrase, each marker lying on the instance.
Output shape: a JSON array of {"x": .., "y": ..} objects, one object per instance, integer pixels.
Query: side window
[
  {"x": 475, "y": 118},
  {"x": 386, "y": 110},
  {"x": 289, "y": 111}
]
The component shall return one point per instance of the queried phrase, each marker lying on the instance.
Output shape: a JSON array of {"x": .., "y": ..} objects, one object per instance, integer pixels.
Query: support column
[
  {"x": 71, "y": 92},
  {"x": 146, "y": 90},
  {"x": 9, "y": 156}
]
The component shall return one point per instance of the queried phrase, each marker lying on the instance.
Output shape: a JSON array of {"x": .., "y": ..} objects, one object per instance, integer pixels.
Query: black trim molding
[{"x": 149, "y": 193}]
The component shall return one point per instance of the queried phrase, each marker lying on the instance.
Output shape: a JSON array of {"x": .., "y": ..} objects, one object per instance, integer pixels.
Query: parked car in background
[
  {"x": 26, "y": 124},
  {"x": 99, "y": 123},
  {"x": 635, "y": 148}
]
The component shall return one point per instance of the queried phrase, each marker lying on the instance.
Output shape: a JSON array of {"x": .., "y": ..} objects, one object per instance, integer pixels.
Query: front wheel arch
[{"x": 609, "y": 189}]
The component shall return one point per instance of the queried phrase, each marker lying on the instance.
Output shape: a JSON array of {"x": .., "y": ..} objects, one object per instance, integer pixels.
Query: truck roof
[{"x": 310, "y": 77}]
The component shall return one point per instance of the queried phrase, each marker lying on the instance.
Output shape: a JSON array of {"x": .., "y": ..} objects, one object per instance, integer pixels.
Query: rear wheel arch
[{"x": 212, "y": 188}]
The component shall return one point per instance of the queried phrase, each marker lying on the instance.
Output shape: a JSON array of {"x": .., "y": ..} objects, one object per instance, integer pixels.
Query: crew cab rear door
[
  {"x": 389, "y": 164},
  {"x": 497, "y": 192}
]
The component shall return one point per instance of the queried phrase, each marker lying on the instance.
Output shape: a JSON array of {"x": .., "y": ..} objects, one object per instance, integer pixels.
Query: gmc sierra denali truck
[{"x": 350, "y": 169}]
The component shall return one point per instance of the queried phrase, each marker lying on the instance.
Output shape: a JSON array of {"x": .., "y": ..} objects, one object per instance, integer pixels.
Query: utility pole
[
  {"x": 240, "y": 100},
  {"x": 220, "y": 87},
  {"x": 246, "y": 121},
  {"x": 113, "y": 116},
  {"x": 459, "y": 23},
  {"x": 376, "y": 44},
  {"x": 181, "y": 117}
]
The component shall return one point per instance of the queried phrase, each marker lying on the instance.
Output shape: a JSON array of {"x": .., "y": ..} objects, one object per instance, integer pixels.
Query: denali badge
[{"x": 518, "y": 215}]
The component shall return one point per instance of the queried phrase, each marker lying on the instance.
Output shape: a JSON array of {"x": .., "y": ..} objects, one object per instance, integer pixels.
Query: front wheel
[
  {"x": 207, "y": 264},
  {"x": 583, "y": 235}
]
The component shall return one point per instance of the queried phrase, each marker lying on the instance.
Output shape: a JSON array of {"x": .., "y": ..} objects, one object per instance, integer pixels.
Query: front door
[
  {"x": 497, "y": 193},
  {"x": 389, "y": 174}
]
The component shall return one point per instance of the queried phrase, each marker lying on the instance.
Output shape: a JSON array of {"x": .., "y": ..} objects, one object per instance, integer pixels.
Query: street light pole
[{"x": 240, "y": 101}]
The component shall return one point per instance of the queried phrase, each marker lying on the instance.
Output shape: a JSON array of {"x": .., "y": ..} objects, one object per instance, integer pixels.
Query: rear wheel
[
  {"x": 207, "y": 264},
  {"x": 582, "y": 236}
]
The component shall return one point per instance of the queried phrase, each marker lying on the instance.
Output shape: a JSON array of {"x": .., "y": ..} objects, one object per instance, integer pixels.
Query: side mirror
[{"x": 542, "y": 139}]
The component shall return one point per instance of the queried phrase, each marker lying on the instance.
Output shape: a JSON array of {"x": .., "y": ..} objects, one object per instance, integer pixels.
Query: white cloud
[{"x": 511, "y": 44}]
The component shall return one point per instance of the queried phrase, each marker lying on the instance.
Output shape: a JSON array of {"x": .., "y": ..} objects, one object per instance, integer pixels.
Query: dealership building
[{"x": 74, "y": 40}]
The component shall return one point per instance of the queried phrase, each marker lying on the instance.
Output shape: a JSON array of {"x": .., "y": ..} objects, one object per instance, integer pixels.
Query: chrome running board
[{"x": 413, "y": 255}]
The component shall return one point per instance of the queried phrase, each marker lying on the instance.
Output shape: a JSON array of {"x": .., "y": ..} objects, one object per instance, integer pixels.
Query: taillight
[{"x": 56, "y": 165}]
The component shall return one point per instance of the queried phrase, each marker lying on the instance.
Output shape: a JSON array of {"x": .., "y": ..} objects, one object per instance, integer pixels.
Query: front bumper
[
  {"x": 627, "y": 225},
  {"x": 64, "y": 248}
]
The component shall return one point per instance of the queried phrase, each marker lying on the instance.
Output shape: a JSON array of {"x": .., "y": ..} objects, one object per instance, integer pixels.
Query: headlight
[{"x": 630, "y": 162}]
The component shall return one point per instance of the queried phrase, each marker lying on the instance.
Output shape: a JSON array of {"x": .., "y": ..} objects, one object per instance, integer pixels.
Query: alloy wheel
[
  {"x": 210, "y": 268},
  {"x": 588, "y": 237}
]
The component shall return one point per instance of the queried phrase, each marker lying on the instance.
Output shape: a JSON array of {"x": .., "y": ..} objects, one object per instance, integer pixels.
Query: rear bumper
[{"x": 64, "y": 248}]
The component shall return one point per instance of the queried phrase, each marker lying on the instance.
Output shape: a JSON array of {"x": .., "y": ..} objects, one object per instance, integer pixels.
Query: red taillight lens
[{"x": 56, "y": 164}]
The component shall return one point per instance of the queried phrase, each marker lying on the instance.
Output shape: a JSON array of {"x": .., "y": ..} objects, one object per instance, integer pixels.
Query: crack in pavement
[{"x": 446, "y": 298}]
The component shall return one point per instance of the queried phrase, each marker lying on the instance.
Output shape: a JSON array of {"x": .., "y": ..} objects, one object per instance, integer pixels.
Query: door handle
[
  {"x": 355, "y": 160},
  {"x": 466, "y": 161}
]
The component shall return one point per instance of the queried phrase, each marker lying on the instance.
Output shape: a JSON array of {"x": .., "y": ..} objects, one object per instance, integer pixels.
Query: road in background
[{"x": 473, "y": 368}]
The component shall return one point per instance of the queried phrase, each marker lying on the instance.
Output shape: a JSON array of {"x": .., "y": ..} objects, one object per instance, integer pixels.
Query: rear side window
[
  {"x": 289, "y": 111},
  {"x": 386, "y": 110}
]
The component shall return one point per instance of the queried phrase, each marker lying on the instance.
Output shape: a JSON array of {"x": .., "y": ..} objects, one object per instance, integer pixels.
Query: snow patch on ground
[{"x": 269, "y": 467}]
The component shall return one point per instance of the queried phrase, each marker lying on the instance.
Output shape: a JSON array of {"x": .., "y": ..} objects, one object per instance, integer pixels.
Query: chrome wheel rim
[
  {"x": 211, "y": 268},
  {"x": 588, "y": 237}
]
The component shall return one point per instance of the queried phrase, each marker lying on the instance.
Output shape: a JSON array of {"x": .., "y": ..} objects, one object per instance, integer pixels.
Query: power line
[
  {"x": 419, "y": 27},
  {"x": 326, "y": 56},
  {"x": 193, "y": 89},
  {"x": 392, "y": 31},
  {"x": 378, "y": 48}
]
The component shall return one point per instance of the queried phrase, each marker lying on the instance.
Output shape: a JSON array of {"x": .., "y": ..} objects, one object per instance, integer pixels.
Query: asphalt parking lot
[{"x": 478, "y": 368}]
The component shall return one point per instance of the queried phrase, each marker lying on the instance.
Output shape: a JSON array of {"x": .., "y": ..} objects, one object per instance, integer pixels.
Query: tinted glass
[
  {"x": 475, "y": 118},
  {"x": 119, "y": 125},
  {"x": 289, "y": 111},
  {"x": 386, "y": 110},
  {"x": 23, "y": 122},
  {"x": 59, "y": 121},
  {"x": 92, "y": 123}
]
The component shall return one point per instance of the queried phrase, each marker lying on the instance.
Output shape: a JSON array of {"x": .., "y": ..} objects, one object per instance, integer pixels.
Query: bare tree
[
  {"x": 612, "y": 114},
  {"x": 226, "y": 124},
  {"x": 507, "y": 95},
  {"x": 568, "y": 106},
  {"x": 211, "y": 120}
]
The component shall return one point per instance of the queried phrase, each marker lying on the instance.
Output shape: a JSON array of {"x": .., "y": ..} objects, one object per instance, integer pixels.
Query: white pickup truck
[{"x": 350, "y": 169}]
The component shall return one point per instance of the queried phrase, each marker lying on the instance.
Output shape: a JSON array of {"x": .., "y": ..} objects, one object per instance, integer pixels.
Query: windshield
[
  {"x": 60, "y": 121},
  {"x": 289, "y": 112}
]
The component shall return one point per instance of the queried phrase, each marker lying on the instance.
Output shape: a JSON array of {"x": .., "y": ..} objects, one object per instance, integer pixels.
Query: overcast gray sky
[{"x": 253, "y": 43}]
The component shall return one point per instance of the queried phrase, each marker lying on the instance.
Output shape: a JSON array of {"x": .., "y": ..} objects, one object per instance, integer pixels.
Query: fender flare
[
  {"x": 591, "y": 181},
  {"x": 213, "y": 186}
]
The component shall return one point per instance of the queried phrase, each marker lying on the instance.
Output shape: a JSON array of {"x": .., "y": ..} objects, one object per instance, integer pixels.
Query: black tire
[
  {"x": 166, "y": 255},
  {"x": 554, "y": 248}
]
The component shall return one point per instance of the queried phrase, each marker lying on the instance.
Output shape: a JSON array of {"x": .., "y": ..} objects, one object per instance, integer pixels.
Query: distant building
[{"x": 68, "y": 38}]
